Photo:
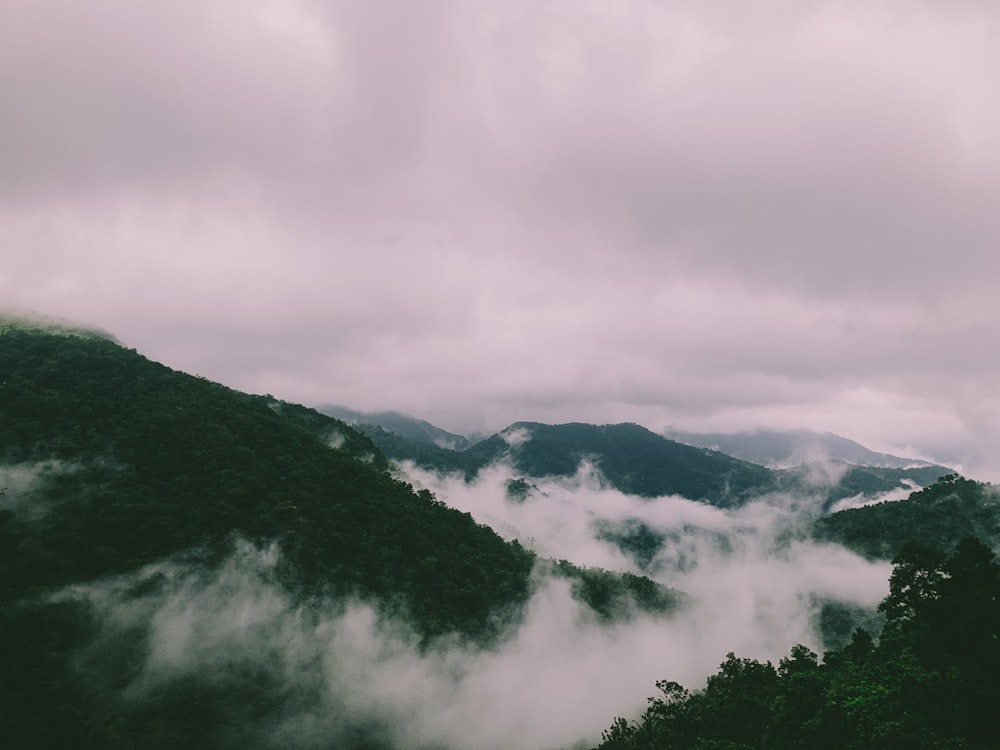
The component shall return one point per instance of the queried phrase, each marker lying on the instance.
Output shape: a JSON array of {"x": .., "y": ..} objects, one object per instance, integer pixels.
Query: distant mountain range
[
  {"x": 411, "y": 428},
  {"x": 783, "y": 449},
  {"x": 640, "y": 462}
]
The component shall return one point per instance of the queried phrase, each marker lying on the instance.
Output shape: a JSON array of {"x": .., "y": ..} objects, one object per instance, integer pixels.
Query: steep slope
[
  {"x": 630, "y": 457},
  {"x": 847, "y": 484},
  {"x": 636, "y": 461},
  {"x": 119, "y": 461},
  {"x": 176, "y": 558},
  {"x": 938, "y": 516}
]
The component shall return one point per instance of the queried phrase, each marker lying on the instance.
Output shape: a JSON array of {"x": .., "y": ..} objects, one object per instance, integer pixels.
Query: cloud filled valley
[{"x": 336, "y": 670}]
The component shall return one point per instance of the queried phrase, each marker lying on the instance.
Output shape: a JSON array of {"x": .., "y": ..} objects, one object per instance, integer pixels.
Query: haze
[
  {"x": 753, "y": 580},
  {"x": 708, "y": 215}
]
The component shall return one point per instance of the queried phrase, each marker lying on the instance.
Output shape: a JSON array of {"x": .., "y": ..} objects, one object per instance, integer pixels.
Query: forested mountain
[
  {"x": 630, "y": 457},
  {"x": 122, "y": 478},
  {"x": 127, "y": 461},
  {"x": 637, "y": 461},
  {"x": 938, "y": 516},
  {"x": 861, "y": 485}
]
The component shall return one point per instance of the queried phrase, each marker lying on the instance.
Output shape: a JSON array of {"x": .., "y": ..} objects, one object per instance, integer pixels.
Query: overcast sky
[{"x": 708, "y": 215}]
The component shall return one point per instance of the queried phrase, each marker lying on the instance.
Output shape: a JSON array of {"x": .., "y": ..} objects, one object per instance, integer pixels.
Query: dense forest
[
  {"x": 932, "y": 680},
  {"x": 937, "y": 515},
  {"x": 639, "y": 462},
  {"x": 112, "y": 465},
  {"x": 132, "y": 461},
  {"x": 129, "y": 490}
]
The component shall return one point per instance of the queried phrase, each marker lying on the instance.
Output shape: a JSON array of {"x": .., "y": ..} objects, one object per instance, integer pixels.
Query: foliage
[
  {"x": 139, "y": 461},
  {"x": 615, "y": 596},
  {"x": 121, "y": 462},
  {"x": 948, "y": 510},
  {"x": 931, "y": 681},
  {"x": 631, "y": 458}
]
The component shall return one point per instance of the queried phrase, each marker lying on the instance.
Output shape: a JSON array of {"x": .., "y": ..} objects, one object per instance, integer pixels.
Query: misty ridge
[{"x": 181, "y": 563}]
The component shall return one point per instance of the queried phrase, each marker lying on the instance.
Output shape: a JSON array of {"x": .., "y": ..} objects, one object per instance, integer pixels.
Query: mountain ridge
[{"x": 784, "y": 449}]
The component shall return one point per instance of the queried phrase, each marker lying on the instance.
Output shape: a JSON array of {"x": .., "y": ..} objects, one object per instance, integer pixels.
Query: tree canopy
[{"x": 931, "y": 681}]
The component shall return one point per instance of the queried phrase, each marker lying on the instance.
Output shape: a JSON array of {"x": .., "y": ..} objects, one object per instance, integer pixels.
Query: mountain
[
  {"x": 637, "y": 461},
  {"x": 787, "y": 448},
  {"x": 629, "y": 457},
  {"x": 131, "y": 461},
  {"x": 144, "y": 512},
  {"x": 411, "y": 428},
  {"x": 846, "y": 485},
  {"x": 938, "y": 516}
]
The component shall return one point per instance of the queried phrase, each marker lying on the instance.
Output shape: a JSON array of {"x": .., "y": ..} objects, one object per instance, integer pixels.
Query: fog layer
[{"x": 557, "y": 676}]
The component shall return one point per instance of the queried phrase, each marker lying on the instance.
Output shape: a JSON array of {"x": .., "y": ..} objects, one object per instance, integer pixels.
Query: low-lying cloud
[{"x": 557, "y": 676}]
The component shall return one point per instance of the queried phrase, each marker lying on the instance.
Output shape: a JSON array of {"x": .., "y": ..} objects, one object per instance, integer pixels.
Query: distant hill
[
  {"x": 133, "y": 461},
  {"x": 856, "y": 485},
  {"x": 630, "y": 457},
  {"x": 637, "y": 461},
  {"x": 411, "y": 428},
  {"x": 939, "y": 516},
  {"x": 786, "y": 448}
]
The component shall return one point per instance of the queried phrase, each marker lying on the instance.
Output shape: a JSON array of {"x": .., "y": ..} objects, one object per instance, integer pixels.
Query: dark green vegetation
[
  {"x": 112, "y": 462},
  {"x": 639, "y": 462},
  {"x": 931, "y": 681},
  {"x": 936, "y": 515},
  {"x": 135, "y": 462},
  {"x": 613, "y": 596},
  {"x": 868, "y": 481},
  {"x": 631, "y": 458}
]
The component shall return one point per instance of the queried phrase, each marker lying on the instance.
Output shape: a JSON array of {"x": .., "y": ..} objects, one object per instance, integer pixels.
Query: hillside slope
[
  {"x": 116, "y": 461},
  {"x": 173, "y": 555}
]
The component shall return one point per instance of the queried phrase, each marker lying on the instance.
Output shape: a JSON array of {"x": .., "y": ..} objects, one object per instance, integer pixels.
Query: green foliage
[
  {"x": 932, "y": 681},
  {"x": 517, "y": 490},
  {"x": 871, "y": 481},
  {"x": 131, "y": 462},
  {"x": 634, "y": 538},
  {"x": 617, "y": 596},
  {"x": 948, "y": 510},
  {"x": 149, "y": 461},
  {"x": 631, "y": 458},
  {"x": 866, "y": 481}
]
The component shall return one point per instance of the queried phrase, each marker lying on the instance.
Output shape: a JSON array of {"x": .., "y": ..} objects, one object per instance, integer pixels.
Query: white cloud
[{"x": 695, "y": 213}]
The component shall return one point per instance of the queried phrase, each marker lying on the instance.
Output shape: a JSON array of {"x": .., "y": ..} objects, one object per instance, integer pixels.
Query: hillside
[
  {"x": 629, "y": 457},
  {"x": 116, "y": 461},
  {"x": 128, "y": 489},
  {"x": 937, "y": 516}
]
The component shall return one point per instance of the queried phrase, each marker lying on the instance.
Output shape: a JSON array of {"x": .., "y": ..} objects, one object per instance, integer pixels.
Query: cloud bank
[{"x": 707, "y": 215}]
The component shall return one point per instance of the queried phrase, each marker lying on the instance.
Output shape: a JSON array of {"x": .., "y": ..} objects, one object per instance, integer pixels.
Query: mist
[
  {"x": 556, "y": 677},
  {"x": 755, "y": 573}
]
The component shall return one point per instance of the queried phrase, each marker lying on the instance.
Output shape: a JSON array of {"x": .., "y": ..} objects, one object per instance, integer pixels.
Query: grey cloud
[{"x": 662, "y": 213}]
